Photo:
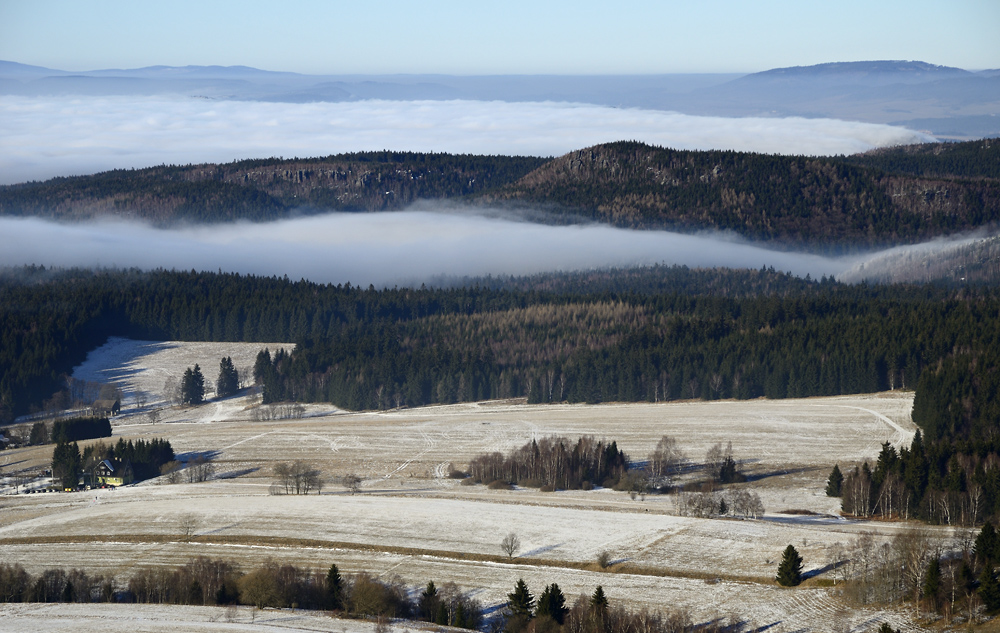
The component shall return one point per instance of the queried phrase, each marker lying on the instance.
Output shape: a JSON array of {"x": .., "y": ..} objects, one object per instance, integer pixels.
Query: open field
[{"x": 410, "y": 519}]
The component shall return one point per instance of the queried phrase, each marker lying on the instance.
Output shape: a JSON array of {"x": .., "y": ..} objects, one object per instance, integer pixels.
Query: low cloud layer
[
  {"x": 384, "y": 249},
  {"x": 45, "y": 137}
]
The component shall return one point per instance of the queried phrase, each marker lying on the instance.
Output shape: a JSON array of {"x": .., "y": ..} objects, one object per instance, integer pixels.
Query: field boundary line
[{"x": 285, "y": 542}]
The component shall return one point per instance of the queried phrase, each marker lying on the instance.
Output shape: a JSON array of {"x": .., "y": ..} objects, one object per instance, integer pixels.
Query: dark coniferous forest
[{"x": 654, "y": 334}]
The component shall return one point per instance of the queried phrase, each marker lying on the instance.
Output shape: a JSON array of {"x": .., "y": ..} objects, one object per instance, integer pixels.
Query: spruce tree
[
  {"x": 193, "y": 386},
  {"x": 229, "y": 378},
  {"x": 835, "y": 483},
  {"x": 599, "y": 602},
  {"x": 428, "y": 602},
  {"x": 521, "y": 602},
  {"x": 334, "y": 589},
  {"x": 552, "y": 603},
  {"x": 986, "y": 545},
  {"x": 932, "y": 580},
  {"x": 790, "y": 568},
  {"x": 989, "y": 589}
]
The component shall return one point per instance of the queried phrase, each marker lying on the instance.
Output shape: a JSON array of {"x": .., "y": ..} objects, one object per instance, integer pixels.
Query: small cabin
[
  {"x": 107, "y": 407},
  {"x": 114, "y": 473}
]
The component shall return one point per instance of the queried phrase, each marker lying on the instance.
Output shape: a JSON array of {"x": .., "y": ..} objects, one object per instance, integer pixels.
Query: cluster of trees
[
  {"x": 229, "y": 378},
  {"x": 298, "y": 477},
  {"x": 911, "y": 566},
  {"x": 147, "y": 458},
  {"x": 74, "y": 429},
  {"x": 950, "y": 482},
  {"x": 594, "y": 614},
  {"x": 554, "y": 462},
  {"x": 193, "y": 386},
  {"x": 735, "y": 502}
]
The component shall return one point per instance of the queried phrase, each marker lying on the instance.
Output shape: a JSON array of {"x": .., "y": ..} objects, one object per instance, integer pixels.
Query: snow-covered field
[
  {"x": 150, "y": 618},
  {"x": 142, "y": 368},
  {"x": 411, "y": 520}
]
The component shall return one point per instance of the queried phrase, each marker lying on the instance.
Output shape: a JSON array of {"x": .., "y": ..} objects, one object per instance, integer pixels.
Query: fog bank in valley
[
  {"x": 384, "y": 249},
  {"x": 43, "y": 137}
]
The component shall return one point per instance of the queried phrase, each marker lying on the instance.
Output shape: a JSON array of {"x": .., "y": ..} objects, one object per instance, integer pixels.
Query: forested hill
[
  {"x": 785, "y": 199},
  {"x": 659, "y": 334},
  {"x": 970, "y": 160},
  {"x": 265, "y": 189},
  {"x": 888, "y": 197}
]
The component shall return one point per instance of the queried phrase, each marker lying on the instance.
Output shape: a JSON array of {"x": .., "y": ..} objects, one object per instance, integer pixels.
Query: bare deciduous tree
[
  {"x": 200, "y": 469},
  {"x": 298, "y": 477},
  {"x": 666, "y": 461},
  {"x": 352, "y": 482},
  {"x": 510, "y": 545},
  {"x": 189, "y": 524}
]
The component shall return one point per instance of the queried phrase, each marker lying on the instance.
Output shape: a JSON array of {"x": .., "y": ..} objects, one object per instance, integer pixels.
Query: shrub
[
  {"x": 604, "y": 559},
  {"x": 499, "y": 485}
]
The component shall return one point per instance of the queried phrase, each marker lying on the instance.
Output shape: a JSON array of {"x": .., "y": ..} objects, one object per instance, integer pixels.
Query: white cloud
[
  {"x": 404, "y": 248},
  {"x": 45, "y": 137}
]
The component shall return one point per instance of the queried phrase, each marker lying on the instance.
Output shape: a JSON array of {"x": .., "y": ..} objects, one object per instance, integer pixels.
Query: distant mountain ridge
[
  {"x": 946, "y": 102},
  {"x": 914, "y": 71}
]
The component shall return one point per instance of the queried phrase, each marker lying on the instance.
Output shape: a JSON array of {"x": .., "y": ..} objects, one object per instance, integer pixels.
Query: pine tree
[
  {"x": 552, "y": 603},
  {"x": 835, "y": 483},
  {"x": 986, "y": 545},
  {"x": 599, "y": 602},
  {"x": 932, "y": 580},
  {"x": 989, "y": 589},
  {"x": 193, "y": 386},
  {"x": 521, "y": 602},
  {"x": 334, "y": 589},
  {"x": 66, "y": 464},
  {"x": 229, "y": 378},
  {"x": 790, "y": 568},
  {"x": 428, "y": 602}
]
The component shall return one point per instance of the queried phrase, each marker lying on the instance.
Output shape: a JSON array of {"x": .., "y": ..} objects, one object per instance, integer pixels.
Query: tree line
[
  {"x": 668, "y": 333},
  {"x": 554, "y": 462},
  {"x": 208, "y": 581}
]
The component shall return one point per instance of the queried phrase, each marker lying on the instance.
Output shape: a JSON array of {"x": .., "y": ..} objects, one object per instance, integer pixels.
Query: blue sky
[{"x": 508, "y": 37}]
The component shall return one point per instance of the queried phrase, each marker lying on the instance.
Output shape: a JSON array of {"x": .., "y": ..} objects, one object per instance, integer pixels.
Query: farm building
[
  {"x": 114, "y": 473},
  {"x": 106, "y": 407}
]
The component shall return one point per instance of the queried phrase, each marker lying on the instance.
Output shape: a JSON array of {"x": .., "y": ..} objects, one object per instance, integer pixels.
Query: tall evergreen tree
[
  {"x": 989, "y": 589},
  {"x": 932, "y": 581},
  {"x": 835, "y": 483},
  {"x": 552, "y": 603},
  {"x": 229, "y": 379},
  {"x": 986, "y": 545},
  {"x": 521, "y": 602},
  {"x": 334, "y": 589},
  {"x": 790, "y": 568},
  {"x": 599, "y": 602},
  {"x": 193, "y": 386},
  {"x": 428, "y": 604},
  {"x": 66, "y": 464}
]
